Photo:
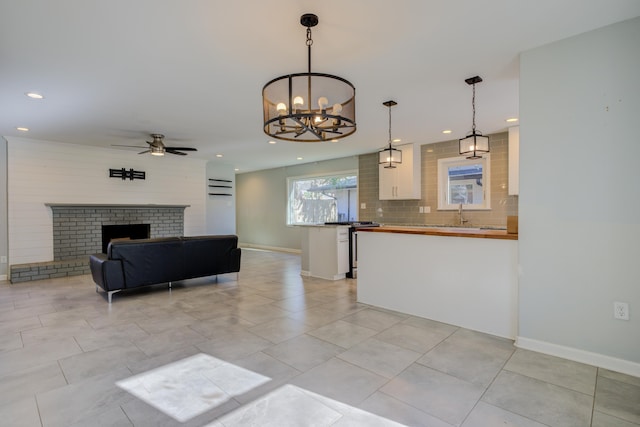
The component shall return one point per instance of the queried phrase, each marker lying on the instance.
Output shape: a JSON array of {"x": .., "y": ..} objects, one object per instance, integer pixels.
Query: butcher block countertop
[{"x": 443, "y": 231}]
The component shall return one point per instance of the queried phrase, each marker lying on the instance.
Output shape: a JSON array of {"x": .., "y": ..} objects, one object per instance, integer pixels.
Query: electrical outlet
[
  {"x": 363, "y": 206},
  {"x": 421, "y": 209},
  {"x": 3, "y": 259},
  {"x": 621, "y": 310},
  {"x": 427, "y": 209}
]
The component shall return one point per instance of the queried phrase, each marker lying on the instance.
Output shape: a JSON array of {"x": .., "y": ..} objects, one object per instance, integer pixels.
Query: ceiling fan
[{"x": 157, "y": 147}]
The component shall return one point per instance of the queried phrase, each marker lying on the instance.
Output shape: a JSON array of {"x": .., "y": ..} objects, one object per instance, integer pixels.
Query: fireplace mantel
[{"x": 111, "y": 205}]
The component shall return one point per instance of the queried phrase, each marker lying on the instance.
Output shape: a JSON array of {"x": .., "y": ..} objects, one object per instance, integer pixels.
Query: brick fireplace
[{"x": 77, "y": 233}]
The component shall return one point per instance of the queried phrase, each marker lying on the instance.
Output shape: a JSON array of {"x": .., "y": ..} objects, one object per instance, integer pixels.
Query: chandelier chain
[{"x": 309, "y": 39}]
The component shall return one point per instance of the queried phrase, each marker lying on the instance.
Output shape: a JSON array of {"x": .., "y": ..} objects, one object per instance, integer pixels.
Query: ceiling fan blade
[
  {"x": 181, "y": 148},
  {"x": 175, "y": 152},
  {"x": 131, "y": 146}
]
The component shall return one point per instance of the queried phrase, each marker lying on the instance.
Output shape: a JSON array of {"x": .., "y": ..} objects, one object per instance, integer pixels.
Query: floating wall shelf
[{"x": 219, "y": 184}]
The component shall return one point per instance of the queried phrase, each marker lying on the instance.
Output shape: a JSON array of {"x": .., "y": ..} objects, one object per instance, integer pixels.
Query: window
[
  {"x": 320, "y": 199},
  {"x": 464, "y": 181}
]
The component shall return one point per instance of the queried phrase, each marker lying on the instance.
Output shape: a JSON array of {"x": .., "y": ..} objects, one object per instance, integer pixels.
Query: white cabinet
[
  {"x": 327, "y": 252},
  {"x": 514, "y": 161},
  {"x": 403, "y": 181}
]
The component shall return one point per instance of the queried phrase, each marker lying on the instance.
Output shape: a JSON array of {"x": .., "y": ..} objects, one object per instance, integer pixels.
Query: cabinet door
[
  {"x": 403, "y": 181},
  {"x": 408, "y": 178},
  {"x": 388, "y": 178}
]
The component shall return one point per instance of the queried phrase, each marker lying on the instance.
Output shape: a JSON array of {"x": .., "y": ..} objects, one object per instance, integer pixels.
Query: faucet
[{"x": 460, "y": 218}]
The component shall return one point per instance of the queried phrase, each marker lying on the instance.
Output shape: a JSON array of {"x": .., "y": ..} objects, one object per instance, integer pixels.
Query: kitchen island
[{"x": 461, "y": 276}]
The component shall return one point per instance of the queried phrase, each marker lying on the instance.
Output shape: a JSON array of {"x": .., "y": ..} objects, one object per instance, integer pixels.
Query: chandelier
[
  {"x": 389, "y": 157},
  {"x": 474, "y": 145},
  {"x": 309, "y": 107}
]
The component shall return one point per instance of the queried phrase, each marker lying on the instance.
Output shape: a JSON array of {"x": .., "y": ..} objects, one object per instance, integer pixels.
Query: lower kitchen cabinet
[{"x": 325, "y": 251}]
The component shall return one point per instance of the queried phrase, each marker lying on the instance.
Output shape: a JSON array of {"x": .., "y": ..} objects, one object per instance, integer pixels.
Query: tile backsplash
[{"x": 407, "y": 212}]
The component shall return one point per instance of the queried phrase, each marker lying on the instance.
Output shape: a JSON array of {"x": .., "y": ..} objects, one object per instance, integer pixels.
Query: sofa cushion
[
  {"x": 209, "y": 255},
  {"x": 149, "y": 261}
]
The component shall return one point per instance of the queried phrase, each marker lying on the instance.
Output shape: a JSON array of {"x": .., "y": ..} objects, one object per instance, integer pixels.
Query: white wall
[
  {"x": 42, "y": 172},
  {"x": 221, "y": 210},
  {"x": 4, "y": 242},
  {"x": 580, "y": 197},
  {"x": 262, "y": 203}
]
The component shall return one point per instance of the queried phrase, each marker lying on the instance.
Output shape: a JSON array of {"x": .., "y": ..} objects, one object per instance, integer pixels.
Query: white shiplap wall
[{"x": 42, "y": 172}]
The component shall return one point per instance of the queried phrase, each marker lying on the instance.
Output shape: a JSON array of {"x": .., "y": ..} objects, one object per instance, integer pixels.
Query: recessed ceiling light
[
  {"x": 236, "y": 169},
  {"x": 34, "y": 95},
  {"x": 218, "y": 155},
  {"x": 299, "y": 158},
  {"x": 512, "y": 119},
  {"x": 446, "y": 131},
  {"x": 272, "y": 142},
  {"x": 22, "y": 129},
  {"x": 396, "y": 140},
  {"x": 334, "y": 140}
]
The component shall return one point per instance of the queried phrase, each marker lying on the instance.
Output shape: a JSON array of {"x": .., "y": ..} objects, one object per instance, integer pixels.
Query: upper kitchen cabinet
[
  {"x": 514, "y": 161},
  {"x": 403, "y": 181}
]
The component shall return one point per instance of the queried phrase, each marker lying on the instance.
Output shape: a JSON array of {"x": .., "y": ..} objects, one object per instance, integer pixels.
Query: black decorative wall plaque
[{"x": 124, "y": 174}]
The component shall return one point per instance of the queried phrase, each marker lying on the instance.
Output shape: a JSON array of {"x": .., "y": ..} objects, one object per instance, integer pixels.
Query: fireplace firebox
[{"x": 124, "y": 231}]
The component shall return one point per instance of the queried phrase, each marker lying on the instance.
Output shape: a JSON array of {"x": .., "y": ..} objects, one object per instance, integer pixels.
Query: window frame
[
  {"x": 443, "y": 182},
  {"x": 292, "y": 179}
]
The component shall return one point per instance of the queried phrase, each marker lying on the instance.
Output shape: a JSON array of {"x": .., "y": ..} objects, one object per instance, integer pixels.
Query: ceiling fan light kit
[{"x": 309, "y": 107}]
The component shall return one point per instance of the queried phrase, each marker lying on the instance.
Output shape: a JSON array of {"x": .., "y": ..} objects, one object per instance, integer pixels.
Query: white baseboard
[
  {"x": 4, "y": 277},
  {"x": 582, "y": 356},
  {"x": 269, "y": 248}
]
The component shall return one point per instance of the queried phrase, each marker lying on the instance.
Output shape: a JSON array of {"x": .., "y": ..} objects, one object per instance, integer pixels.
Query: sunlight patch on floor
[{"x": 191, "y": 386}]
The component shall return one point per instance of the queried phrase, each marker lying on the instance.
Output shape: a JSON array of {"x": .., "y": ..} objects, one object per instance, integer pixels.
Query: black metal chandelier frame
[{"x": 290, "y": 121}]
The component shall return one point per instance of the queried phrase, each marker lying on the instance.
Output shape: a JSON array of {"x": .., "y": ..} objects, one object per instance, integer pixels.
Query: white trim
[
  {"x": 269, "y": 248},
  {"x": 582, "y": 356}
]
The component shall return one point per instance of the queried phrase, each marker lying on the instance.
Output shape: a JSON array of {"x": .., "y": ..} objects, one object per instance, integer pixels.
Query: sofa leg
[
  {"x": 109, "y": 293},
  {"x": 96, "y": 288},
  {"x": 169, "y": 285}
]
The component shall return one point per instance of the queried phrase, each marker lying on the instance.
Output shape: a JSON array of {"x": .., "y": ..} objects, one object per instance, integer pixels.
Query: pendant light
[
  {"x": 309, "y": 107},
  {"x": 474, "y": 145},
  {"x": 389, "y": 156}
]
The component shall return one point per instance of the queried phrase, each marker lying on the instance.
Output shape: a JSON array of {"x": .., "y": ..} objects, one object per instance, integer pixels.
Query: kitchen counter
[
  {"x": 444, "y": 231},
  {"x": 463, "y": 277}
]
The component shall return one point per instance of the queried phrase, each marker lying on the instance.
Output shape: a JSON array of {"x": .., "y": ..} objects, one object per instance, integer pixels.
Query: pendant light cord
[
  {"x": 473, "y": 108},
  {"x": 389, "y": 126}
]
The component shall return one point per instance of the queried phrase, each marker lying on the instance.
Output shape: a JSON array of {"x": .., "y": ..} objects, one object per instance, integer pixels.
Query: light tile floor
[{"x": 269, "y": 347}]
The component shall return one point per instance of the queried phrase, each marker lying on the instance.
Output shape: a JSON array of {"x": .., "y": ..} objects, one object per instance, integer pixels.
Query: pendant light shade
[
  {"x": 309, "y": 107},
  {"x": 474, "y": 145},
  {"x": 389, "y": 156}
]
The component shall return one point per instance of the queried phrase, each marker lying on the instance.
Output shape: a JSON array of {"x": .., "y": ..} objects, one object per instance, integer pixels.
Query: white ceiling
[{"x": 114, "y": 71}]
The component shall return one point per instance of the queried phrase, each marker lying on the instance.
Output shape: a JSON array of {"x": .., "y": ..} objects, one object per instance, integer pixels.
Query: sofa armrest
[
  {"x": 234, "y": 260},
  {"x": 106, "y": 273}
]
